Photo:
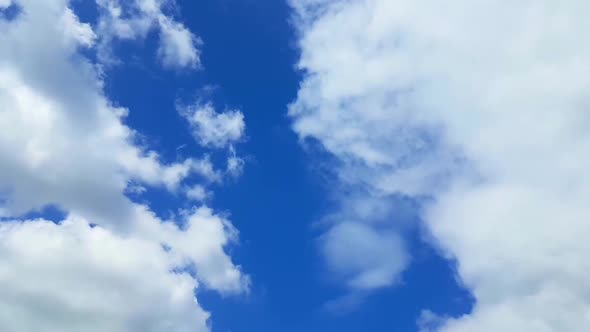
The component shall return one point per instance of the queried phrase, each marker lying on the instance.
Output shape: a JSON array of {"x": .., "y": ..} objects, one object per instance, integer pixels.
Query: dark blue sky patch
[
  {"x": 52, "y": 213},
  {"x": 11, "y": 12}
]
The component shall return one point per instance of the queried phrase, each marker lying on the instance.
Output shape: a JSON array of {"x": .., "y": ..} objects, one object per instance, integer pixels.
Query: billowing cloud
[
  {"x": 214, "y": 129},
  {"x": 177, "y": 45},
  {"x": 480, "y": 106},
  {"x": 57, "y": 127},
  {"x": 127, "y": 20},
  {"x": 74, "y": 277},
  {"x": 63, "y": 143}
]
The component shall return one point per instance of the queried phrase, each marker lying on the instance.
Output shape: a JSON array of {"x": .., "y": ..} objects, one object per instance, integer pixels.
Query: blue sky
[
  {"x": 249, "y": 54},
  {"x": 382, "y": 179}
]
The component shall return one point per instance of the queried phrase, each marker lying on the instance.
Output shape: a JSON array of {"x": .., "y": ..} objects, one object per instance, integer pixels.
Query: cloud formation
[
  {"x": 128, "y": 20},
  {"x": 74, "y": 277},
  {"x": 112, "y": 264},
  {"x": 481, "y": 106},
  {"x": 214, "y": 129}
]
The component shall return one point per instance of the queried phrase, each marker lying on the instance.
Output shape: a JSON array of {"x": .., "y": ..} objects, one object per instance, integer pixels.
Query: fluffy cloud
[
  {"x": 63, "y": 143},
  {"x": 197, "y": 193},
  {"x": 214, "y": 129},
  {"x": 134, "y": 19},
  {"x": 481, "y": 106},
  {"x": 57, "y": 128},
  {"x": 74, "y": 277},
  {"x": 177, "y": 45}
]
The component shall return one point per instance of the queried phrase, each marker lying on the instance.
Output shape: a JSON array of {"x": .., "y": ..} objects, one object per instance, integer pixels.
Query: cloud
[
  {"x": 198, "y": 193},
  {"x": 134, "y": 19},
  {"x": 63, "y": 143},
  {"x": 177, "y": 45},
  {"x": 481, "y": 107},
  {"x": 74, "y": 277},
  {"x": 214, "y": 129},
  {"x": 55, "y": 131},
  {"x": 365, "y": 257},
  {"x": 235, "y": 164}
]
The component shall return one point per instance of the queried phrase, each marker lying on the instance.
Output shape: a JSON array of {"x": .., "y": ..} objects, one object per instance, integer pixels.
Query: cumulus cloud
[
  {"x": 63, "y": 143},
  {"x": 481, "y": 106},
  {"x": 57, "y": 128},
  {"x": 74, "y": 277},
  {"x": 177, "y": 45},
  {"x": 214, "y": 129},
  {"x": 197, "y": 192},
  {"x": 128, "y": 20}
]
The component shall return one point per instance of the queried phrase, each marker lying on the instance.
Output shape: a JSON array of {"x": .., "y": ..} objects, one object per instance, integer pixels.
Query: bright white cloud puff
[
  {"x": 92, "y": 280},
  {"x": 214, "y": 129},
  {"x": 178, "y": 46}
]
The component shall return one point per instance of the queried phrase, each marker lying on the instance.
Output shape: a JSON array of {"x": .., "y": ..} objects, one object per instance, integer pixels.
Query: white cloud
[
  {"x": 177, "y": 45},
  {"x": 482, "y": 106},
  {"x": 134, "y": 19},
  {"x": 365, "y": 257},
  {"x": 235, "y": 164},
  {"x": 62, "y": 142},
  {"x": 213, "y": 129},
  {"x": 75, "y": 30},
  {"x": 51, "y": 145},
  {"x": 198, "y": 193},
  {"x": 202, "y": 243},
  {"x": 197, "y": 239},
  {"x": 74, "y": 277}
]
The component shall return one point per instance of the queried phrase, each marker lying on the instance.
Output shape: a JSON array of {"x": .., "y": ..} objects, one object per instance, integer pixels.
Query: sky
[{"x": 294, "y": 165}]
